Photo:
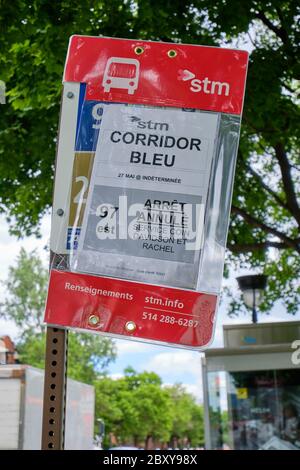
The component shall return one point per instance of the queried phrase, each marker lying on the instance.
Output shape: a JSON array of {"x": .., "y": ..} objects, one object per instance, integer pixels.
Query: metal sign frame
[{"x": 177, "y": 87}]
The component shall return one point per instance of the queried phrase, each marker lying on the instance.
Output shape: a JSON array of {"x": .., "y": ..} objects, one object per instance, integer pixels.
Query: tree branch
[
  {"x": 268, "y": 189},
  {"x": 288, "y": 88},
  {"x": 258, "y": 223},
  {"x": 251, "y": 39},
  {"x": 280, "y": 15},
  {"x": 280, "y": 32},
  {"x": 287, "y": 180},
  {"x": 248, "y": 247},
  {"x": 295, "y": 167}
]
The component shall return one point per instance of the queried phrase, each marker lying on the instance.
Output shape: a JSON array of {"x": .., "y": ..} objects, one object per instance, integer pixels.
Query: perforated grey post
[{"x": 54, "y": 405}]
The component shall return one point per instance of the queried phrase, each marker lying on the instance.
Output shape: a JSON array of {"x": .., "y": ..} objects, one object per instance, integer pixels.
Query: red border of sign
[
  {"x": 162, "y": 80},
  {"x": 106, "y": 305}
]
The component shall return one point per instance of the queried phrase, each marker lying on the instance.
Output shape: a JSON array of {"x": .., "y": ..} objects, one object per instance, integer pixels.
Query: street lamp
[{"x": 252, "y": 287}]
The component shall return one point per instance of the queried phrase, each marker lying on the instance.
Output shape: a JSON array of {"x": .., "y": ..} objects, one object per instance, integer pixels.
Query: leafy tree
[
  {"x": 137, "y": 409},
  {"x": 26, "y": 289},
  {"x": 154, "y": 413},
  {"x": 134, "y": 408},
  {"x": 188, "y": 423},
  {"x": 265, "y": 225},
  {"x": 114, "y": 404},
  {"x": 88, "y": 356}
]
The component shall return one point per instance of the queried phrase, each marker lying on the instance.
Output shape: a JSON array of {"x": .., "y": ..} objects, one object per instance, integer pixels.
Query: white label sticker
[{"x": 145, "y": 209}]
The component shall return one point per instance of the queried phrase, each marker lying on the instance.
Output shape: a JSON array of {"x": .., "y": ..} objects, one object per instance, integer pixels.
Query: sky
[{"x": 173, "y": 365}]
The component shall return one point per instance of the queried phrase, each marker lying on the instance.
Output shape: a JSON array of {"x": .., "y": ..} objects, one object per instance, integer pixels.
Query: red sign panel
[
  {"x": 160, "y": 74},
  {"x": 131, "y": 309}
]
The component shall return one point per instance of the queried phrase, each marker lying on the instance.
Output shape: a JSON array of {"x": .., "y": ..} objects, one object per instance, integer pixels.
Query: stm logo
[
  {"x": 157, "y": 126},
  {"x": 209, "y": 87}
]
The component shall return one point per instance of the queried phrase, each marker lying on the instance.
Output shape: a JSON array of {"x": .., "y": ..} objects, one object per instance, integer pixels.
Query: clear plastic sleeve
[{"x": 174, "y": 208}]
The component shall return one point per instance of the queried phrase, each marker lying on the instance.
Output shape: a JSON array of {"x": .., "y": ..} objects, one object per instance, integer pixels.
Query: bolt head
[
  {"x": 130, "y": 326},
  {"x": 70, "y": 94},
  {"x": 94, "y": 320},
  {"x": 172, "y": 53}
]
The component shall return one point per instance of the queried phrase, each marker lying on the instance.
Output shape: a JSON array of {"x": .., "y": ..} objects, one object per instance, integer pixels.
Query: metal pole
[
  {"x": 207, "y": 430},
  {"x": 254, "y": 312},
  {"x": 55, "y": 384}
]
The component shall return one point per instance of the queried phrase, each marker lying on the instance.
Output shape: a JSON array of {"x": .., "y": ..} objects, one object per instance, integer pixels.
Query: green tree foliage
[
  {"x": 134, "y": 407},
  {"x": 265, "y": 225},
  {"x": 26, "y": 289},
  {"x": 25, "y": 293},
  {"x": 138, "y": 410},
  {"x": 188, "y": 420}
]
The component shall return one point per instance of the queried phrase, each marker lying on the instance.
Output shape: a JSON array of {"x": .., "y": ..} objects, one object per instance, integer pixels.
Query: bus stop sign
[{"x": 144, "y": 175}]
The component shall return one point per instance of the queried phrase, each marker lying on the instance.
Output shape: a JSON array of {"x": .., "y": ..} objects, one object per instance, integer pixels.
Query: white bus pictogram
[{"x": 121, "y": 73}]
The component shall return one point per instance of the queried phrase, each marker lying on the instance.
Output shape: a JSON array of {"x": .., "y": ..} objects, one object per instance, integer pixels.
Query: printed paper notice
[{"x": 146, "y": 204}]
